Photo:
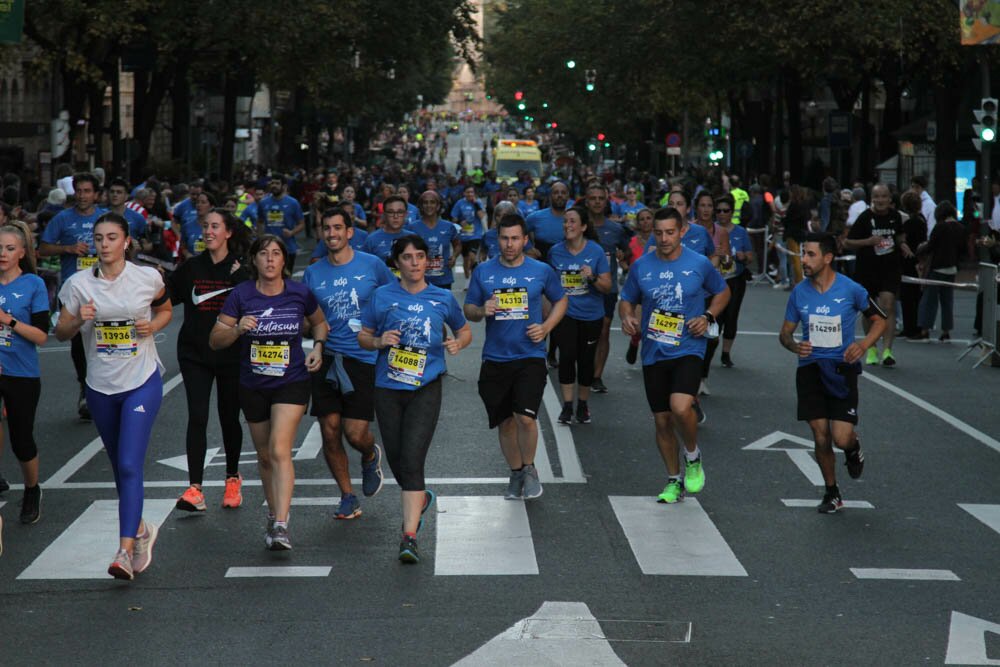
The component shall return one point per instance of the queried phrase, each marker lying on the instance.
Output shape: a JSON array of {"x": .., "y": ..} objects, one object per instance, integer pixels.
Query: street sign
[
  {"x": 673, "y": 150},
  {"x": 673, "y": 139}
]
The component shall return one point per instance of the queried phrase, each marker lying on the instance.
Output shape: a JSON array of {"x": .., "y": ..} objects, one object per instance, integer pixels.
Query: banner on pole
[{"x": 11, "y": 21}]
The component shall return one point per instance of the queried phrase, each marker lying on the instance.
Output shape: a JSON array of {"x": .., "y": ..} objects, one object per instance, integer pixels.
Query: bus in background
[{"x": 514, "y": 155}]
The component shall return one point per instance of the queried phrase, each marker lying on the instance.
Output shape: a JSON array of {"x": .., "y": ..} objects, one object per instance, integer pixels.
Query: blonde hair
[{"x": 19, "y": 228}]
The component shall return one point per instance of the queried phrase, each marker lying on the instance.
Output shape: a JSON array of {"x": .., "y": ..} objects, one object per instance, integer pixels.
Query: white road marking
[
  {"x": 572, "y": 471},
  {"x": 311, "y": 444},
  {"x": 483, "y": 535},
  {"x": 677, "y": 539},
  {"x": 988, "y": 514},
  {"x": 848, "y": 504},
  {"x": 82, "y": 457},
  {"x": 181, "y": 462},
  {"x": 973, "y": 433},
  {"x": 183, "y": 484},
  {"x": 85, "y": 548},
  {"x": 967, "y": 640},
  {"x": 559, "y": 633},
  {"x": 280, "y": 571},
  {"x": 903, "y": 574},
  {"x": 542, "y": 463},
  {"x": 802, "y": 458}
]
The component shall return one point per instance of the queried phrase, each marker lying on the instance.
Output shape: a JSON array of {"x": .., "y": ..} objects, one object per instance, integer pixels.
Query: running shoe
[
  {"x": 268, "y": 536},
  {"x": 632, "y": 354},
  {"x": 566, "y": 416},
  {"x": 192, "y": 500},
  {"x": 855, "y": 461},
  {"x": 532, "y": 487},
  {"x": 121, "y": 566},
  {"x": 672, "y": 492},
  {"x": 371, "y": 474},
  {"x": 597, "y": 386},
  {"x": 694, "y": 476},
  {"x": 887, "y": 359},
  {"x": 699, "y": 412},
  {"x": 83, "y": 409},
  {"x": 31, "y": 505},
  {"x": 429, "y": 498},
  {"x": 408, "y": 550},
  {"x": 349, "y": 507},
  {"x": 920, "y": 336},
  {"x": 142, "y": 553},
  {"x": 582, "y": 413},
  {"x": 871, "y": 358},
  {"x": 703, "y": 388},
  {"x": 727, "y": 361},
  {"x": 515, "y": 487},
  {"x": 232, "y": 497},
  {"x": 279, "y": 538},
  {"x": 831, "y": 502},
  {"x": 4, "y": 485}
]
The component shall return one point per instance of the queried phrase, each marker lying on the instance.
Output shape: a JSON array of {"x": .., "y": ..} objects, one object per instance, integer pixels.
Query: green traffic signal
[{"x": 590, "y": 87}]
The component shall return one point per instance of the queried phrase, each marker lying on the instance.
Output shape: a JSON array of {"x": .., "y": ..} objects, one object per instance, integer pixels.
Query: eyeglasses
[{"x": 723, "y": 210}]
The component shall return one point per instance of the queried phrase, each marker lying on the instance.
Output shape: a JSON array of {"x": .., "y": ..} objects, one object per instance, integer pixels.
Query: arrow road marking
[
  {"x": 802, "y": 458},
  {"x": 967, "y": 640}
]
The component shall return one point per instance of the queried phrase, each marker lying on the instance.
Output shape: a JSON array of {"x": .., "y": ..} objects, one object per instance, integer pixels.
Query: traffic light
[
  {"x": 545, "y": 105},
  {"x": 607, "y": 144},
  {"x": 986, "y": 122},
  {"x": 592, "y": 147},
  {"x": 716, "y": 156},
  {"x": 521, "y": 106},
  {"x": 600, "y": 136},
  {"x": 518, "y": 95},
  {"x": 555, "y": 125},
  {"x": 591, "y": 77},
  {"x": 570, "y": 64}
]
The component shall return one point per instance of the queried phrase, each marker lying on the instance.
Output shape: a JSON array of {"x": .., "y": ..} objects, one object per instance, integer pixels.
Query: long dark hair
[
  {"x": 239, "y": 241},
  {"x": 589, "y": 232}
]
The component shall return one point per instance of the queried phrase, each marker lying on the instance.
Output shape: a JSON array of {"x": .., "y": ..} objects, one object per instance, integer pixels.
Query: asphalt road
[{"x": 594, "y": 572}]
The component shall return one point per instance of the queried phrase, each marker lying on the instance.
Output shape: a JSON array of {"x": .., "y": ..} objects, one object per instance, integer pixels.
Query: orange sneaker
[
  {"x": 193, "y": 500},
  {"x": 232, "y": 498}
]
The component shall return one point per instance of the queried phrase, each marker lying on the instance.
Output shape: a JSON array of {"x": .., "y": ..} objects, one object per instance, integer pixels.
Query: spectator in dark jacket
[{"x": 942, "y": 249}]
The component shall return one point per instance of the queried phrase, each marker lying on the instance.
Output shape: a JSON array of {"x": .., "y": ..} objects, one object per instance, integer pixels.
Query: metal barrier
[
  {"x": 987, "y": 342},
  {"x": 761, "y": 275}
]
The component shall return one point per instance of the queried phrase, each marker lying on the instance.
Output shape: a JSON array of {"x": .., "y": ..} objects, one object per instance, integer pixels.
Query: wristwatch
[
  {"x": 13, "y": 323},
  {"x": 710, "y": 317}
]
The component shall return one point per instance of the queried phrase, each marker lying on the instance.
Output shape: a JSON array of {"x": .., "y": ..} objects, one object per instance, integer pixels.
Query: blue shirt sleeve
[
  {"x": 553, "y": 286},
  {"x": 456, "y": 210},
  {"x": 53, "y": 231},
  {"x": 368, "y": 318},
  {"x": 860, "y": 298},
  {"x": 714, "y": 282},
  {"x": 383, "y": 276},
  {"x": 456, "y": 318},
  {"x": 630, "y": 292},
  {"x": 602, "y": 266},
  {"x": 297, "y": 216},
  {"x": 792, "y": 309},
  {"x": 359, "y": 212},
  {"x": 476, "y": 295}
]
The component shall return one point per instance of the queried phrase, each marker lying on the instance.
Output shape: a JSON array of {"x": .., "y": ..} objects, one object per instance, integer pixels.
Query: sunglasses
[{"x": 723, "y": 210}]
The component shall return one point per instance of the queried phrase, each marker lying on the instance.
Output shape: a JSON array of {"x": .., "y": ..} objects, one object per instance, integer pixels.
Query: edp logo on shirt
[{"x": 510, "y": 280}]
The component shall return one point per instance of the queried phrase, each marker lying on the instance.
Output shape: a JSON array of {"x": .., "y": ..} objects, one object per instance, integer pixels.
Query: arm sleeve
[
  {"x": 456, "y": 318},
  {"x": 553, "y": 286},
  {"x": 792, "y": 310},
  {"x": 40, "y": 320}
]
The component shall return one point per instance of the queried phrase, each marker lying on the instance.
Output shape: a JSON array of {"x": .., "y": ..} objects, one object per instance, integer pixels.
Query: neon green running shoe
[
  {"x": 872, "y": 357},
  {"x": 672, "y": 492},
  {"x": 888, "y": 359},
  {"x": 694, "y": 476}
]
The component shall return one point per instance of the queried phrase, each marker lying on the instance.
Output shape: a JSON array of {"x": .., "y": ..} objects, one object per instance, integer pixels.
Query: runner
[
  {"x": 192, "y": 239},
  {"x": 118, "y": 307},
  {"x": 507, "y": 292},
  {"x": 671, "y": 286},
  {"x": 343, "y": 389},
  {"x": 704, "y": 206},
  {"x": 118, "y": 203},
  {"x": 379, "y": 242},
  {"x": 470, "y": 216},
  {"x": 281, "y": 215},
  {"x": 585, "y": 276},
  {"x": 638, "y": 246},
  {"x": 202, "y": 284},
  {"x": 265, "y": 314},
  {"x": 70, "y": 235},
  {"x": 441, "y": 237},
  {"x": 827, "y": 305},
  {"x": 24, "y": 325},
  {"x": 734, "y": 269},
  {"x": 405, "y": 322},
  {"x": 875, "y": 236},
  {"x": 546, "y": 225}
]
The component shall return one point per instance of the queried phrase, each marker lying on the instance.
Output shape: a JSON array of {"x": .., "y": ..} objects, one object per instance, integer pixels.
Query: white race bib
[{"x": 825, "y": 331}]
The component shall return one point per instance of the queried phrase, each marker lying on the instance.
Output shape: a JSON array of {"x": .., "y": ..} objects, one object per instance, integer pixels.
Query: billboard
[{"x": 980, "y": 22}]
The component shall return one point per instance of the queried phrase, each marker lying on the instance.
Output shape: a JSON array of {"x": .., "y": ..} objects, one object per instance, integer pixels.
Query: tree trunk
[
  {"x": 180, "y": 98},
  {"x": 945, "y": 148},
  {"x": 231, "y": 90},
  {"x": 97, "y": 127},
  {"x": 150, "y": 89},
  {"x": 793, "y": 99}
]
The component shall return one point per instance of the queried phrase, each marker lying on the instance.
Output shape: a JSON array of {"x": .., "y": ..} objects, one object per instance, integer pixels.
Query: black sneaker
[
  {"x": 566, "y": 416},
  {"x": 408, "y": 550},
  {"x": 699, "y": 412},
  {"x": 831, "y": 503},
  {"x": 855, "y": 461},
  {"x": 4, "y": 486},
  {"x": 82, "y": 408},
  {"x": 31, "y": 504},
  {"x": 632, "y": 354},
  {"x": 582, "y": 413},
  {"x": 597, "y": 386},
  {"x": 727, "y": 361}
]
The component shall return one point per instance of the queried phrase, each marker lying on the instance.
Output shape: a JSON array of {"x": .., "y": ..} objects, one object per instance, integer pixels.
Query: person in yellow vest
[{"x": 740, "y": 197}]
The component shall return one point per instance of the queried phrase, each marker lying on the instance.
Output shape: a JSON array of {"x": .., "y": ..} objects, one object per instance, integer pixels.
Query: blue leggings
[{"x": 124, "y": 422}]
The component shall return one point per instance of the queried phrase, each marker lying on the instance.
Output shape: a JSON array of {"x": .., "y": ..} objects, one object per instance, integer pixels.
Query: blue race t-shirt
[
  {"x": 281, "y": 214},
  {"x": 438, "y": 242},
  {"x": 585, "y": 302},
  {"x": 526, "y": 208},
  {"x": 828, "y": 319},
  {"x": 21, "y": 298},
  {"x": 518, "y": 291},
  {"x": 249, "y": 215},
  {"x": 359, "y": 212},
  {"x": 491, "y": 242},
  {"x": 379, "y": 243},
  {"x": 342, "y": 291},
  {"x": 185, "y": 213},
  {"x": 546, "y": 226},
  {"x": 627, "y": 212},
  {"x": 739, "y": 241},
  {"x": 613, "y": 237},
  {"x": 671, "y": 294},
  {"x": 136, "y": 223},
  {"x": 68, "y": 227},
  {"x": 696, "y": 238},
  {"x": 464, "y": 214},
  {"x": 412, "y": 213},
  {"x": 420, "y": 319},
  {"x": 271, "y": 355},
  {"x": 191, "y": 237}
]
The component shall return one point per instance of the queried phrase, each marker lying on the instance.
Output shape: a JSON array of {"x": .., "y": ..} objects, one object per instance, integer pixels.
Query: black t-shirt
[
  {"x": 202, "y": 287},
  {"x": 883, "y": 258}
]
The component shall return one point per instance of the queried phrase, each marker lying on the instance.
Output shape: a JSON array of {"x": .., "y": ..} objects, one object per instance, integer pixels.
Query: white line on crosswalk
[
  {"x": 677, "y": 539},
  {"x": 500, "y": 482},
  {"x": 86, "y": 547},
  {"x": 903, "y": 574},
  {"x": 280, "y": 571},
  {"x": 988, "y": 514},
  {"x": 311, "y": 444},
  {"x": 569, "y": 461},
  {"x": 805, "y": 502},
  {"x": 483, "y": 535}
]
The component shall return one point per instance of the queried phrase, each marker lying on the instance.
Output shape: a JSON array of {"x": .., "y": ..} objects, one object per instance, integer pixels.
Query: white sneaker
[{"x": 703, "y": 389}]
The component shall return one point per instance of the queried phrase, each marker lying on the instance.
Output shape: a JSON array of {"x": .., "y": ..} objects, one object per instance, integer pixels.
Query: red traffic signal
[
  {"x": 518, "y": 95},
  {"x": 600, "y": 136},
  {"x": 554, "y": 125}
]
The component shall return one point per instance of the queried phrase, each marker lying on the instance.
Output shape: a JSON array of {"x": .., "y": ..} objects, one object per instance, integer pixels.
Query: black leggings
[
  {"x": 406, "y": 420},
  {"x": 79, "y": 358},
  {"x": 20, "y": 395},
  {"x": 577, "y": 343},
  {"x": 198, "y": 387},
  {"x": 728, "y": 320}
]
